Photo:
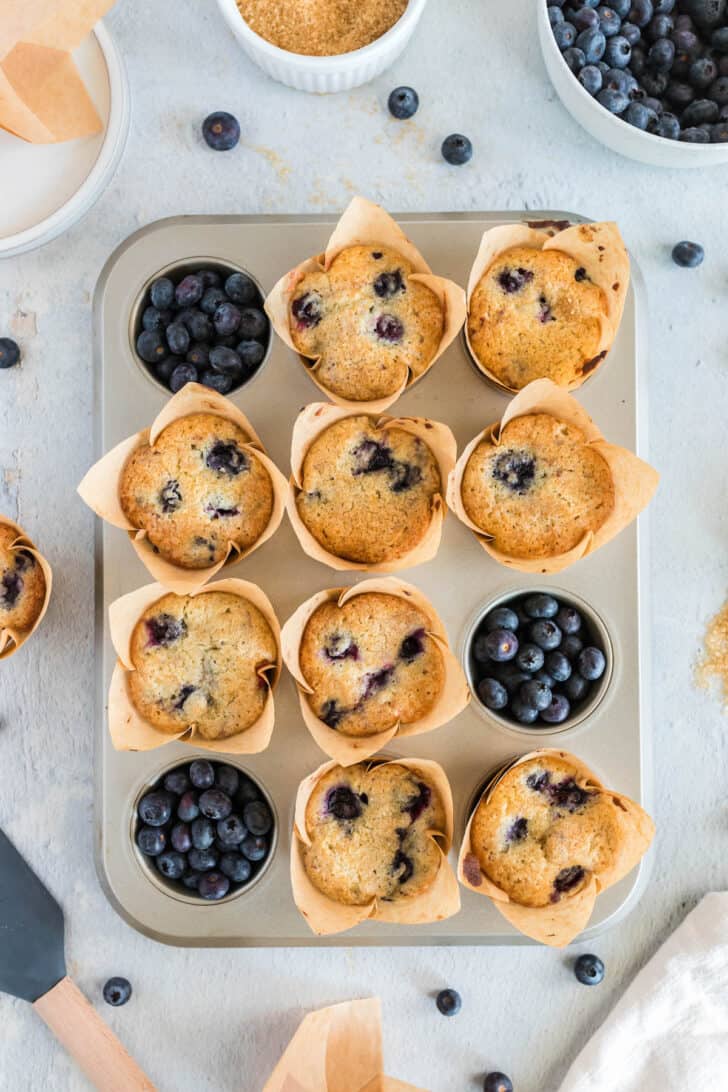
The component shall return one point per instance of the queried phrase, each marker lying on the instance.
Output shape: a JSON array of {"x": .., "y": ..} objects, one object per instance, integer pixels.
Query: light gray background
[{"x": 216, "y": 1021}]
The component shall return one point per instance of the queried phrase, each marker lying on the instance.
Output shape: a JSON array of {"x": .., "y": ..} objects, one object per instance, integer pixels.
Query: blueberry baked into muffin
[
  {"x": 370, "y": 833},
  {"x": 367, "y": 492},
  {"x": 370, "y": 664},
  {"x": 197, "y": 489},
  {"x": 22, "y": 585},
  {"x": 198, "y": 660},
  {"x": 540, "y": 490},
  {"x": 366, "y": 322}
]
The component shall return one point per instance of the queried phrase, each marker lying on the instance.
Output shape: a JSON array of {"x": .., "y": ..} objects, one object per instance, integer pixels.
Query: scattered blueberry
[
  {"x": 221, "y": 131},
  {"x": 403, "y": 103},
  {"x": 688, "y": 255},
  {"x": 497, "y": 1082},
  {"x": 449, "y": 1002},
  {"x": 589, "y": 970},
  {"x": 117, "y": 991},
  {"x": 457, "y": 149},
  {"x": 9, "y": 352}
]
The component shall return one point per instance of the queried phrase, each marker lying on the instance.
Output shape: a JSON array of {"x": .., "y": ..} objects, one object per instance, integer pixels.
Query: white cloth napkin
[{"x": 669, "y": 1032}]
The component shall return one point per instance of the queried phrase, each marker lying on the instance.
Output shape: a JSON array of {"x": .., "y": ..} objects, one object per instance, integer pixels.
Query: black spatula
[{"x": 33, "y": 967}]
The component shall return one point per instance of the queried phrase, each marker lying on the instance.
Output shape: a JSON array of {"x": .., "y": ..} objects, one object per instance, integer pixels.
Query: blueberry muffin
[
  {"x": 22, "y": 584},
  {"x": 369, "y": 829},
  {"x": 370, "y": 664},
  {"x": 535, "y": 314},
  {"x": 369, "y": 324},
  {"x": 540, "y": 490},
  {"x": 540, "y": 835},
  {"x": 196, "y": 490},
  {"x": 368, "y": 492},
  {"x": 196, "y": 661}
]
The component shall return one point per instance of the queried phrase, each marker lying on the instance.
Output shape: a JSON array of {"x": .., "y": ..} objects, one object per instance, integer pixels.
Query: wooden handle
[{"x": 77, "y": 1025}]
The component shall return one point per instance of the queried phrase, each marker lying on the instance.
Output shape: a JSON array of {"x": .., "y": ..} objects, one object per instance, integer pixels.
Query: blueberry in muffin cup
[
  {"x": 379, "y": 666},
  {"x": 545, "y": 837},
  {"x": 393, "y": 821},
  {"x": 370, "y": 298},
  {"x": 186, "y": 527},
  {"x": 198, "y": 668},
  {"x": 559, "y": 474},
  {"x": 545, "y": 301},
  {"x": 25, "y": 587},
  {"x": 388, "y": 474}
]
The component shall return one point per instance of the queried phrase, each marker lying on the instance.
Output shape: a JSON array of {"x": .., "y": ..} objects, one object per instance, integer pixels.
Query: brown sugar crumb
[
  {"x": 713, "y": 666},
  {"x": 321, "y": 28}
]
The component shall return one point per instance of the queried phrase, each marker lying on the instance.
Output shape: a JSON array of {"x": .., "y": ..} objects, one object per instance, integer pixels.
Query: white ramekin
[
  {"x": 610, "y": 130},
  {"x": 112, "y": 146},
  {"x": 324, "y": 75}
]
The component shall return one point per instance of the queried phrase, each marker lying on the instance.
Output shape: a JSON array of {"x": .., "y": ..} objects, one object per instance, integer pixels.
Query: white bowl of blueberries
[{"x": 648, "y": 78}]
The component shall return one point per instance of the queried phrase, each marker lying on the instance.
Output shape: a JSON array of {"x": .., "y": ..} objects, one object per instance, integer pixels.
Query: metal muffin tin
[{"x": 614, "y": 738}]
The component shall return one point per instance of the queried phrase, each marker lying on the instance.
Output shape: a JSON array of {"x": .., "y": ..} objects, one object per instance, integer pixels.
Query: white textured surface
[{"x": 216, "y": 1021}]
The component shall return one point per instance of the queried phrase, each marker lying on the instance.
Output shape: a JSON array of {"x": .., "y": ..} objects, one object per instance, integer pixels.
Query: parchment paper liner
[
  {"x": 347, "y": 750},
  {"x": 100, "y": 487},
  {"x": 128, "y": 729},
  {"x": 337, "y": 1049},
  {"x": 12, "y": 639},
  {"x": 324, "y": 916},
  {"x": 559, "y": 923},
  {"x": 315, "y": 419},
  {"x": 598, "y": 248},
  {"x": 634, "y": 480},
  {"x": 42, "y": 96},
  {"x": 365, "y": 224}
]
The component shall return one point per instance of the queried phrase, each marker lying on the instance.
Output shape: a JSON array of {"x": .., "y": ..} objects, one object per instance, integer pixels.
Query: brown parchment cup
[
  {"x": 315, "y": 419},
  {"x": 634, "y": 481},
  {"x": 598, "y": 248},
  {"x": 12, "y": 639},
  {"x": 365, "y": 224},
  {"x": 346, "y": 750},
  {"x": 324, "y": 915},
  {"x": 337, "y": 1049},
  {"x": 559, "y": 923},
  {"x": 100, "y": 487},
  {"x": 129, "y": 730}
]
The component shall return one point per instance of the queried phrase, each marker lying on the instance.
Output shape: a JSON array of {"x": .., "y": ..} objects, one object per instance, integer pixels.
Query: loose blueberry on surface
[
  {"x": 688, "y": 255},
  {"x": 502, "y": 645},
  {"x": 152, "y": 841},
  {"x": 182, "y": 374},
  {"x": 235, "y": 867},
  {"x": 172, "y": 865},
  {"x": 557, "y": 711},
  {"x": 589, "y": 970},
  {"x": 492, "y": 694},
  {"x": 187, "y": 809},
  {"x": 254, "y": 847},
  {"x": 457, "y": 149},
  {"x": 161, "y": 293},
  {"x": 213, "y": 886},
  {"x": 257, "y": 817},
  {"x": 221, "y": 131},
  {"x": 497, "y": 1082},
  {"x": 546, "y": 634},
  {"x": 449, "y": 1002},
  {"x": 240, "y": 289},
  {"x": 117, "y": 991},
  {"x": 155, "y": 808},
  {"x": 403, "y": 103},
  {"x": 202, "y": 774}
]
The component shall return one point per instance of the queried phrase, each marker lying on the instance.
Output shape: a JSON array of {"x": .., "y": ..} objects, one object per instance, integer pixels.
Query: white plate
[{"x": 48, "y": 187}]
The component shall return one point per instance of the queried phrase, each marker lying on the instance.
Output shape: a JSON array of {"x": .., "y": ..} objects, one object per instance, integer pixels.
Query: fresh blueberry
[
  {"x": 500, "y": 618},
  {"x": 591, "y": 78},
  {"x": 564, "y": 35},
  {"x": 568, "y": 620},
  {"x": 161, "y": 293},
  {"x": 178, "y": 338},
  {"x": 153, "y": 319},
  {"x": 546, "y": 634},
  {"x": 522, "y": 711},
  {"x": 221, "y": 131},
  {"x": 492, "y": 694},
  {"x": 163, "y": 368},
  {"x": 216, "y": 382},
  {"x": 235, "y": 867},
  {"x": 253, "y": 324},
  {"x": 227, "y": 362},
  {"x": 591, "y": 663},
  {"x": 585, "y": 19},
  {"x": 198, "y": 354},
  {"x": 543, "y": 676},
  {"x": 231, "y": 831},
  {"x": 449, "y": 1002},
  {"x": 117, "y": 991},
  {"x": 696, "y": 134},
  {"x": 180, "y": 838},
  {"x": 502, "y": 645},
  {"x": 187, "y": 809},
  {"x": 240, "y": 289},
  {"x": 457, "y": 149},
  {"x": 555, "y": 14},
  {"x": 189, "y": 291},
  {"x": 541, "y": 606},
  {"x": 679, "y": 94},
  {"x": 227, "y": 778},
  {"x": 589, "y": 970},
  {"x": 257, "y": 817},
  {"x": 535, "y": 695},
  {"x": 719, "y": 39},
  {"x": 632, "y": 34},
  {"x": 497, "y": 1082},
  {"x": 213, "y": 886},
  {"x": 719, "y": 133},
  {"x": 641, "y": 12},
  {"x": 226, "y": 319},
  {"x": 202, "y": 860},
  {"x": 177, "y": 781},
  {"x": 480, "y": 649},
  {"x": 155, "y": 808},
  {"x": 661, "y": 54},
  {"x": 557, "y": 711},
  {"x": 152, "y": 841},
  {"x": 718, "y": 91},
  {"x": 172, "y": 865},
  {"x": 609, "y": 22},
  {"x": 254, "y": 847},
  {"x": 660, "y": 26},
  {"x": 403, "y": 103},
  {"x": 215, "y": 804},
  {"x": 198, "y": 324},
  {"x": 655, "y": 82},
  {"x": 575, "y": 58},
  {"x": 202, "y": 832},
  {"x": 618, "y": 51},
  {"x": 251, "y": 354},
  {"x": 700, "y": 112},
  {"x": 182, "y": 374},
  {"x": 513, "y": 679},
  {"x": 592, "y": 44},
  {"x": 576, "y": 687},
  {"x": 530, "y": 657},
  {"x": 211, "y": 300},
  {"x": 663, "y": 7},
  {"x": 150, "y": 346},
  {"x": 558, "y": 666},
  {"x": 640, "y": 116},
  {"x": 638, "y": 63},
  {"x": 688, "y": 255},
  {"x": 191, "y": 880}
]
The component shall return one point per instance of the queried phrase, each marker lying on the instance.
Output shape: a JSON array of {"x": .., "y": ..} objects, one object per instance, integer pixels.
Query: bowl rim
[
  {"x": 548, "y": 42},
  {"x": 306, "y": 62}
]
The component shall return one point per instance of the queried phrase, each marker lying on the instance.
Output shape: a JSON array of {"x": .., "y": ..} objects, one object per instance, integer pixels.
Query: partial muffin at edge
[{"x": 22, "y": 584}]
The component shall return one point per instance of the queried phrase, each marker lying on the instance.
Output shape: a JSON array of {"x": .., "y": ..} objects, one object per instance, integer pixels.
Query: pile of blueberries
[
  {"x": 207, "y": 828},
  {"x": 535, "y": 660},
  {"x": 203, "y": 327},
  {"x": 661, "y": 65}
]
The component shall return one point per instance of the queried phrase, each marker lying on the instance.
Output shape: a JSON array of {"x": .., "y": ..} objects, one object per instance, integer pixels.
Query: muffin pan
[{"x": 613, "y": 738}]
